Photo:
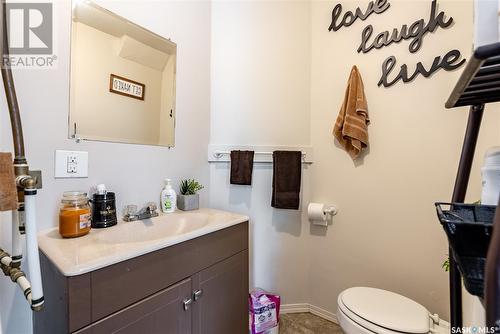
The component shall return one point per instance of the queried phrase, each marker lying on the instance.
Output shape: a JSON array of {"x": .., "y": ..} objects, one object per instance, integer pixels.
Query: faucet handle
[
  {"x": 130, "y": 210},
  {"x": 148, "y": 211},
  {"x": 151, "y": 207}
]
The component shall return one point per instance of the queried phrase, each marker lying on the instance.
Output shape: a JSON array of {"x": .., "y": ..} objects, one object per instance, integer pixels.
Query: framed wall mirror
[{"x": 122, "y": 86}]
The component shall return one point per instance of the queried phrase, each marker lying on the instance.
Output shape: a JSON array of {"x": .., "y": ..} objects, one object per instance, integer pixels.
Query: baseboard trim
[
  {"x": 295, "y": 308},
  {"x": 304, "y": 307},
  {"x": 323, "y": 313}
]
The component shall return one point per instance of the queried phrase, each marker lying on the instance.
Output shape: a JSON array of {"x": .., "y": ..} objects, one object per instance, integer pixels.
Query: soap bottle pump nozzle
[{"x": 101, "y": 189}]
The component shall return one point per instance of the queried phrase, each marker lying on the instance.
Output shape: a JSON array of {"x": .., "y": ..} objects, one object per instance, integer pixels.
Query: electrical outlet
[
  {"x": 72, "y": 158},
  {"x": 72, "y": 163},
  {"x": 72, "y": 169},
  {"x": 69, "y": 164}
]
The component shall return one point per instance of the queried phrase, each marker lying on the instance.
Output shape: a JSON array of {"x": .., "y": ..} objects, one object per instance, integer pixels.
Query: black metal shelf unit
[{"x": 478, "y": 84}]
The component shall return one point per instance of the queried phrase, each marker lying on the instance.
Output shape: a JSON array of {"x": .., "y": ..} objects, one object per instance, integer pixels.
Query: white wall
[
  {"x": 135, "y": 172},
  {"x": 260, "y": 96}
]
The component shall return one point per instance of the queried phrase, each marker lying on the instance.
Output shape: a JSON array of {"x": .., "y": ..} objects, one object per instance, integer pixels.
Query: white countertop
[{"x": 126, "y": 240}]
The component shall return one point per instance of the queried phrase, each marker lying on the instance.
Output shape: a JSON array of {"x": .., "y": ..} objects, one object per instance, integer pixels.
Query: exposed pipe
[
  {"x": 17, "y": 248},
  {"x": 26, "y": 191},
  {"x": 32, "y": 248},
  {"x": 16, "y": 275},
  {"x": 10, "y": 93}
]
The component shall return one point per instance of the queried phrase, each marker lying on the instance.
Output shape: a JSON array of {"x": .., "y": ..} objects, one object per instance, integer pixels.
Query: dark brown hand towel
[
  {"x": 8, "y": 190},
  {"x": 241, "y": 167},
  {"x": 287, "y": 170},
  {"x": 351, "y": 127}
]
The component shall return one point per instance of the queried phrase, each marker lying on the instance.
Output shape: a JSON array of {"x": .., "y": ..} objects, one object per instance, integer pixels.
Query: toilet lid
[{"x": 387, "y": 309}]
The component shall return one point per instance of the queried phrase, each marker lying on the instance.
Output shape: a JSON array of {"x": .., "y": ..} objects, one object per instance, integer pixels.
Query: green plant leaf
[
  {"x": 190, "y": 187},
  {"x": 446, "y": 265}
]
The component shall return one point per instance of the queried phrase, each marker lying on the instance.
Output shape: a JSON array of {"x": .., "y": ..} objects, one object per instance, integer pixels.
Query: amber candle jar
[{"x": 74, "y": 214}]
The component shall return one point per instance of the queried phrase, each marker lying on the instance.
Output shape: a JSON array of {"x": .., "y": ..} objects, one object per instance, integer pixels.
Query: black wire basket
[{"x": 469, "y": 228}]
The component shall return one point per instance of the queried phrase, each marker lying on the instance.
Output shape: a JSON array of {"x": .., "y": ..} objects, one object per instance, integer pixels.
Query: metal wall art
[
  {"x": 415, "y": 33},
  {"x": 349, "y": 17}
]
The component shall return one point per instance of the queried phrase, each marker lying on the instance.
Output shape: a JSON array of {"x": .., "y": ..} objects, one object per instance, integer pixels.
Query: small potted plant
[{"x": 189, "y": 199}]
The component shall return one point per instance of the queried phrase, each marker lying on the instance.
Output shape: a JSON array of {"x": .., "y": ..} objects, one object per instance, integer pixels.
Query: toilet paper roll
[{"x": 316, "y": 213}]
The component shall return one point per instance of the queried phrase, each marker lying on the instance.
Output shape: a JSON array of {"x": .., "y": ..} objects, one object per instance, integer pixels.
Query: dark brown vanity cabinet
[
  {"x": 218, "y": 305},
  {"x": 199, "y": 286},
  {"x": 159, "y": 313}
]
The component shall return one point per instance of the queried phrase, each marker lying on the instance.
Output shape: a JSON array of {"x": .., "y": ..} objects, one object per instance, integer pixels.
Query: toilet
[{"x": 363, "y": 310}]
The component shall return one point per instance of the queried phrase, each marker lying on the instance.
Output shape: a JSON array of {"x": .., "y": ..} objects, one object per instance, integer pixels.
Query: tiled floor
[{"x": 306, "y": 323}]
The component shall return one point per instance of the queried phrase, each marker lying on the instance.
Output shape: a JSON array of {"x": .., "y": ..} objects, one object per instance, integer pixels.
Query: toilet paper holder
[
  {"x": 321, "y": 214},
  {"x": 330, "y": 211}
]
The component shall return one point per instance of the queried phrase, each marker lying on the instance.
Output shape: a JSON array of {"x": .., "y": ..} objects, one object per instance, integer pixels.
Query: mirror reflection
[{"x": 122, "y": 80}]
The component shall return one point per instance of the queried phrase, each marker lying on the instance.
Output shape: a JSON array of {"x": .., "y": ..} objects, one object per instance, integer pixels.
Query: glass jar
[{"x": 74, "y": 214}]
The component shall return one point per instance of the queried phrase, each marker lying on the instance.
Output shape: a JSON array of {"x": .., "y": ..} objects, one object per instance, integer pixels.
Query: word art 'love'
[{"x": 377, "y": 6}]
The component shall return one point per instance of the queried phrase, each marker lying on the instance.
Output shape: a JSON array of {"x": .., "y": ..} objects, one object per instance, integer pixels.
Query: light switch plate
[{"x": 71, "y": 164}]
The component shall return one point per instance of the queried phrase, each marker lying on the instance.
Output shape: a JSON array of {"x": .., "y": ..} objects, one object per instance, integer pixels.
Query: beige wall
[
  {"x": 386, "y": 233},
  {"x": 278, "y": 78}
]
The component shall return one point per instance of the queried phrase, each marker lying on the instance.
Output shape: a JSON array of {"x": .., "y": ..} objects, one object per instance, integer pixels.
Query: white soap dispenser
[{"x": 168, "y": 198}]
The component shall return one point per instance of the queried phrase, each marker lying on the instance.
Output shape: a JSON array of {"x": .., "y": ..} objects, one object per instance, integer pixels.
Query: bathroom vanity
[{"x": 185, "y": 272}]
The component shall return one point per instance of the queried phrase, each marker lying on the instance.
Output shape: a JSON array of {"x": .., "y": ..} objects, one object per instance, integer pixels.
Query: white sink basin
[
  {"x": 161, "y": 227},
  {"x": 103, "y": 247}
]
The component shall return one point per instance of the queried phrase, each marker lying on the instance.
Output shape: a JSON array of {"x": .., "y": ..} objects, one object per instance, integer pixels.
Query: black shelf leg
[{"x": 459, "y": 191}]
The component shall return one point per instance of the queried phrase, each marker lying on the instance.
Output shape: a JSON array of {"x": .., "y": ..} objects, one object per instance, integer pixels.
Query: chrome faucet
[{"x": 149, "y": 211}]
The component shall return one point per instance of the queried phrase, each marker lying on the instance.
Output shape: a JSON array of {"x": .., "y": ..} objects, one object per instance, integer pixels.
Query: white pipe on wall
[
  {"x": 17, "y": 276},
  {"x": 25, "y": 286},
  {"x": 6, "y": 261},
  {"x": 32, "y": 248},
  {"x": 17, "y": 248}
]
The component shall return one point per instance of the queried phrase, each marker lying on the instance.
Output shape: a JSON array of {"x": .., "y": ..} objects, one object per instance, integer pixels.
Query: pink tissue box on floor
[{"x": 264, "y": 311}]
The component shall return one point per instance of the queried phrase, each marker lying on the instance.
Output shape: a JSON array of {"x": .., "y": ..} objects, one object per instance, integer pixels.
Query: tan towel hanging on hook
[{"x": 351, "y": 127}]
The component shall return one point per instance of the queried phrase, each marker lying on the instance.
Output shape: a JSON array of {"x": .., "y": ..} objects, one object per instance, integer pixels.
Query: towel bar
[
  {"x": 220, "y": 154},
  {"x": 263, "y": 153},
  {"x": 225, "y": 156}
]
